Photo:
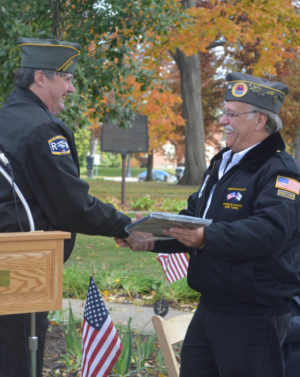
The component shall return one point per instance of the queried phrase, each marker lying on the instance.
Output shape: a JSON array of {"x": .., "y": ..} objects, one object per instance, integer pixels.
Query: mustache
[{"x": 228, "y": 128}]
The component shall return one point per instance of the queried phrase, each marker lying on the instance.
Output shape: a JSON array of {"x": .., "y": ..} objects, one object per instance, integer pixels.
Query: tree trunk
[
  {"x": 190, "y": 82},
  {"x": 190, "y": 77},
  {"x": 149, "y": 166}
]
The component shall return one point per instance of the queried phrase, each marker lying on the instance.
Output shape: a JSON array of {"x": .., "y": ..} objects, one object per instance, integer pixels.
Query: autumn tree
[
  {"x": 286, "y": 70},
  {"x": 115, "y": 28},
  {"x": 212, "y": 88},
  {"x": 273, "y": 24},
  {"x": 112, "y": 32},
  {"x": 163, "y": 122},
  {"x": 290, "y": 113}
]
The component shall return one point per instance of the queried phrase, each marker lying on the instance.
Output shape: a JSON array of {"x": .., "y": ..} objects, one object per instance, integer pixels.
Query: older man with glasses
[{"x": 246, "y": 264}]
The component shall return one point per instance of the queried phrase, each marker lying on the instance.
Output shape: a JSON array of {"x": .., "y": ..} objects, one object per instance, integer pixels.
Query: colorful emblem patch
[
  {"x": 59, "y": 145},
  {"x": 234, "y": 195},
  {"x": 288, "y": 184},
  {"x": 234, "y": 198},
  {"x": 239, "y": 89}
]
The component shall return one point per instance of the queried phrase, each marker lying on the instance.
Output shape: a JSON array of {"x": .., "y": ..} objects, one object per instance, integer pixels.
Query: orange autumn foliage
[
  {"x": 261, "y": 36},
  {"x": 274, "y": 24},
  {"x": 158, "y": 105}
]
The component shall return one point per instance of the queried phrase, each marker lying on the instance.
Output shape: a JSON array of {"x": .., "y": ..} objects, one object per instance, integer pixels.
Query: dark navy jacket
[
  {"x": 251, "y": 257},
  {"x": 42, "y": 152}
]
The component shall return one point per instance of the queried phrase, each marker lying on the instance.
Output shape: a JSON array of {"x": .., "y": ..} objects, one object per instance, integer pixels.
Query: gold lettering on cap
[{"x": 65, "y": 67}]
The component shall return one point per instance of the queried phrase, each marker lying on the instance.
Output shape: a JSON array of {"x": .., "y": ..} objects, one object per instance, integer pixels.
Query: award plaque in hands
[{"x": 154, "y": 224}]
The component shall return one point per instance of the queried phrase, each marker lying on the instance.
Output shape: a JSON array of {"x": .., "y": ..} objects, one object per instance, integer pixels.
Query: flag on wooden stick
[
  {"x": 101, "y": 345},
  {"x": 174, "y": 265}
]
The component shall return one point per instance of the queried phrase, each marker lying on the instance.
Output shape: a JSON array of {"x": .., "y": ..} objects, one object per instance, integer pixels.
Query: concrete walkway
[
  {"x": 120, "y": 313},
  {"x": 119, "y": 179}
]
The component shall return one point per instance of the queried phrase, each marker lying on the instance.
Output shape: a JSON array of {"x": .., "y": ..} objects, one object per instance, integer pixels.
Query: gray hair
[
  {"x": 273, "y": 124},
  {"x": 24, "y": 77}
]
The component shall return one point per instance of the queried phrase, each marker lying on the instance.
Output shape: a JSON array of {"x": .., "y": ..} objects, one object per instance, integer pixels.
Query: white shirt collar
[{"x": 235, "y": 159}]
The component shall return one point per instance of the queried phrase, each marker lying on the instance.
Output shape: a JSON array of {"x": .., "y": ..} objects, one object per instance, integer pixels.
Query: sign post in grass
[{"x": 125, "y": 140}]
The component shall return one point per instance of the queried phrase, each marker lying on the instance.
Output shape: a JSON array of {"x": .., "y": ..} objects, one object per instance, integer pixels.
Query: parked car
[
  {"x": 158, "y": 176},
  {"x": 179, "y": 172}
]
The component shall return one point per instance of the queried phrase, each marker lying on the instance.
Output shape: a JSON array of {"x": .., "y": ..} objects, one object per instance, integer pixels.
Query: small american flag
[
  {"x": 288, "y": 184},
  {"x": 101, "y": 345},
  {"x": 234, "y": 195},
  {"x": 174, "y": 265}
]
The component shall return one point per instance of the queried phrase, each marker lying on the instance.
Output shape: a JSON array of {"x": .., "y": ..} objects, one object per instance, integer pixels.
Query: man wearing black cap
[
  {"x": 246, "y": 264},
  {"x": 43, "y": 156}
]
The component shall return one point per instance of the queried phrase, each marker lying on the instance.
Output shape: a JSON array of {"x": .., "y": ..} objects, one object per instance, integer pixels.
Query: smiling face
[
  {"x": 52, "y": 90},
  {"x": 242, "y": 131},
  {"x": 56, "y": 89}
]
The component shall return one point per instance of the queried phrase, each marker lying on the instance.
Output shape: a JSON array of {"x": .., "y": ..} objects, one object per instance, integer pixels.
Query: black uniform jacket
[
  {"x": 251, "y": 255},
  {"x": 42, "y": 153}
]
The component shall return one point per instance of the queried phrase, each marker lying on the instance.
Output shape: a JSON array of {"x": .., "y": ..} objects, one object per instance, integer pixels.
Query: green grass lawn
[
  {"x": 167, "y": 197},
  {"x": 102, "y": 254}
]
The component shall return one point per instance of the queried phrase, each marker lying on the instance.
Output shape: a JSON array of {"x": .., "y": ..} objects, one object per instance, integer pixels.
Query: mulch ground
[{"x": 55, "y": 348}]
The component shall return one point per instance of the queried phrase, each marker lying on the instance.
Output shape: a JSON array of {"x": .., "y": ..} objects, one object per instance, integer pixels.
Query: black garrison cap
[
  {"x": 51, "y": 54},
  {"x": 256, "y": 91}
]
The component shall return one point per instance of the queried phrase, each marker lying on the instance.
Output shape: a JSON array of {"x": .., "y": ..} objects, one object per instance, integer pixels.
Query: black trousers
[
  {"x": 291, "y": 354},
  {"x": 234, "y": 345},
  {"x": 14, "y": 350}
]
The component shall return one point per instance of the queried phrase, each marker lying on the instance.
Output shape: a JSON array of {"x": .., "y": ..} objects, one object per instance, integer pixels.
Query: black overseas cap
[
  {"x": 51, "y": 54},
  {"x": 256, "y": 91}
]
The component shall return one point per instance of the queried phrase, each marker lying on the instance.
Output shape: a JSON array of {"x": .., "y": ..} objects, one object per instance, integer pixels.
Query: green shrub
[
  {"x": 72, "y": 358},
  {"x": 144, "y": 203},
  {"x": 111, "y": 160},
  {"x": 171, "y": 205},
  {"x": 136, "y": 350},
  {"x": 82, "y": 139}
]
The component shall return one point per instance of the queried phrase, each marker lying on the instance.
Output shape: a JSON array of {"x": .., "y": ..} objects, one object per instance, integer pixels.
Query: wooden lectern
[{"x": 31, "y": 271}]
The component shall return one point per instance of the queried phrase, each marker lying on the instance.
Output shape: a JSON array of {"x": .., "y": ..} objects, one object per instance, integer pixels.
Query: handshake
[
  {"x": 137, "y": 241},
  {"x": 190, "y": 234}
]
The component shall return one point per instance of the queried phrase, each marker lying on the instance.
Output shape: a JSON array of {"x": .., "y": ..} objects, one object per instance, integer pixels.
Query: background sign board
[
  {"x": 97, "y": 159},
  {"x": 130, "y": 140}
]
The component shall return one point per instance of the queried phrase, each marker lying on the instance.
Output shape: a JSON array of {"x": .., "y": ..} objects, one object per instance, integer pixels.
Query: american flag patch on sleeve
[{"x": 288, "y": 184}]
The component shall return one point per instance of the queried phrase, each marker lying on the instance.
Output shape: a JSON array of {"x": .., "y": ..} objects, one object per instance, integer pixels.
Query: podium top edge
[{"x": 32, "y": 236}]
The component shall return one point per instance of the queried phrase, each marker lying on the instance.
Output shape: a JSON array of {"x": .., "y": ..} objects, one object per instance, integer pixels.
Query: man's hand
[
  {"x": 138, "y": 217},
  {"x": 123, "y": 242},
  {"x": 189, "y": 237},
  {"x": 138, "y": 241},
  {"x": 126, "y": 242}
]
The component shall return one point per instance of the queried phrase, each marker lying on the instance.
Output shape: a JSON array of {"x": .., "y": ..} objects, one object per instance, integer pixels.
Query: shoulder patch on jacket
[
  {"x": 288, "y": 184},
  {"x": 286, "y": 194},
  {"x": 59, "y": 145}
]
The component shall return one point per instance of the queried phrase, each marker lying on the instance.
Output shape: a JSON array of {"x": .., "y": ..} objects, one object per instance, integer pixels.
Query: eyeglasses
[{"x": 229, "y": 114}]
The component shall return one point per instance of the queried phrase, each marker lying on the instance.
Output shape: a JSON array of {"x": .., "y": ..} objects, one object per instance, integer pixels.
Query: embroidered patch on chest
[
  {"x": 235, "y": 195},
  {"x": 59, "y": 145},
  {"x": 234, "y": 198},
  {"x": 288, "y": 184}
]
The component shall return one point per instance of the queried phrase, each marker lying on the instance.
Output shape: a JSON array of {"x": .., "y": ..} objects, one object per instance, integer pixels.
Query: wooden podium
[{"x": 31, "y": 271}]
